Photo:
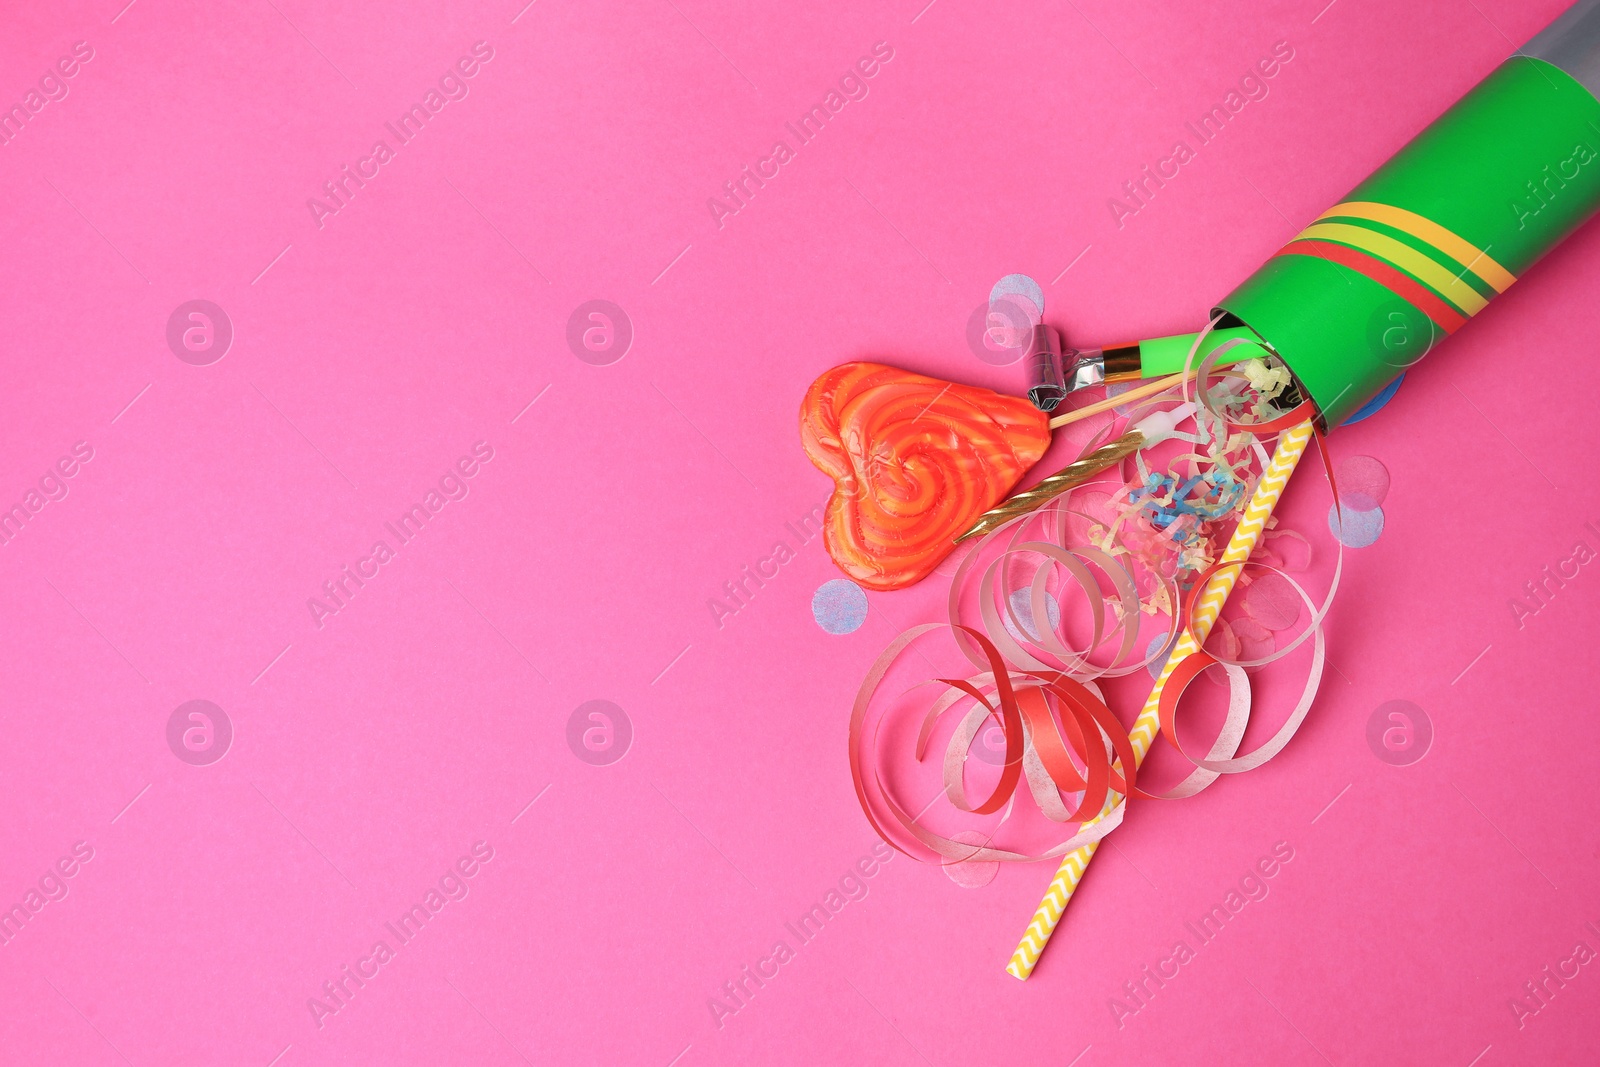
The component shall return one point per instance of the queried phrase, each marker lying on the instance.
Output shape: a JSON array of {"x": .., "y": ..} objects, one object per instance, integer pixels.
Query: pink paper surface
[{"x": 374, "y": 347}]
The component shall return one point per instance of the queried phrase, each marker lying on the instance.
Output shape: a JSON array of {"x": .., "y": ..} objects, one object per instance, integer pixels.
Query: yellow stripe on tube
[
  {"x": 1469, "y": 255},
  {"x": 1428, "y": 271}
]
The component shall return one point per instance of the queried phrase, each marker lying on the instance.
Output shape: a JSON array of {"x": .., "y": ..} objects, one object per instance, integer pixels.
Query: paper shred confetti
[
  {"x": 1268, "y": 381},
  {"x": 839, "y": 606}
]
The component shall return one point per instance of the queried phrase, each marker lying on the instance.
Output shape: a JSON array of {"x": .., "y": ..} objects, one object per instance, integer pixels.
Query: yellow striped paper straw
[{"x": 1291, "y": 446}]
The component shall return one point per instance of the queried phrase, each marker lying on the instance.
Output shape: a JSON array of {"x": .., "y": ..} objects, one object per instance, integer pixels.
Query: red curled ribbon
[{"x": 1075, "y": 753}]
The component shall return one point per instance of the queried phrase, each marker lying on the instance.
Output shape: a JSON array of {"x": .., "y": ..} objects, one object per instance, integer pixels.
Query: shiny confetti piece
[
  {"x": 1271, "y": 602},
  {"x": 1357, "y": 529},
  {"x": 1363, "y": 483},
  {"x": 839, "y": 606}
]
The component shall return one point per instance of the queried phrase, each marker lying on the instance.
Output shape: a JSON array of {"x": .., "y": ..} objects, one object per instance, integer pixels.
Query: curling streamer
[{"x": 1076, "y": 761}]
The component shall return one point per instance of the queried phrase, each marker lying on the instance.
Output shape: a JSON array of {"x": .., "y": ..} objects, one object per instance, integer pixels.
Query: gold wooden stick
[
  {"x": 1074, "y": 474},
  {"x": 1081, "y": 470}
]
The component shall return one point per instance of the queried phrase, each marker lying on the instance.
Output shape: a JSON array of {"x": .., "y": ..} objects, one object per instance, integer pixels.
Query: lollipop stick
[{"x": 1137, "y": 393}]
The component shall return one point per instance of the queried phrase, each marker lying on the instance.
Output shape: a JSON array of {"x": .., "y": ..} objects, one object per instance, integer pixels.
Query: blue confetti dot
[
  {"x": 1373, "y": 406},
  {"x": 839, "y": 606},
  {"x": 1022, "y": 607},
  {"x": 1360, "y": 528},
  {"x": 1017, "y": 285},
  {"x": 1152, "y": 652}
]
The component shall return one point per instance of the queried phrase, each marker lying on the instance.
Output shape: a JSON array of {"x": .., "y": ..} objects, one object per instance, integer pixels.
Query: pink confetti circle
[
  {"x": 1363, "y": 483},
  {"x": 1272, "y": 602},
  {"x": 1223, "y": 642},
  {"x": 1359, "y": 529},
  {"x": 1086, "y": 510},
  {"x": 1011, "y": 320},
  {"x": 1255, "y": 640},
  {"x": 971, "y": 874}
]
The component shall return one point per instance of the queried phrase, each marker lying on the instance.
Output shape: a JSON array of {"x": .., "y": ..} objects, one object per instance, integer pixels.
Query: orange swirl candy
[{"x": 914, "y": 462}]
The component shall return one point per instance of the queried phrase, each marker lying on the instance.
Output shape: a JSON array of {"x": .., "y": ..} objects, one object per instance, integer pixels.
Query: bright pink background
[{"x": 370, "y": 753}]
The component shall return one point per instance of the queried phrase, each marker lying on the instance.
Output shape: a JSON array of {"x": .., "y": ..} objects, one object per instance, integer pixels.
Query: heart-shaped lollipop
[{"x": 914, "y": 461}]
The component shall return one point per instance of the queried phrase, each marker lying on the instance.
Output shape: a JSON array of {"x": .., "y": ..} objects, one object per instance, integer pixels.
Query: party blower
[{"x": 1403, "y": 261}]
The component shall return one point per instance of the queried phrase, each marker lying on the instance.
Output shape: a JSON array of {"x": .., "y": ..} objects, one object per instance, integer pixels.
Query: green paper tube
[{"x": 1447, "y": 224}]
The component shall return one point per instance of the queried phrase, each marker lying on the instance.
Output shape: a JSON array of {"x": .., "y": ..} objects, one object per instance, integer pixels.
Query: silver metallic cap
[{"x": 1046, "y": 387}]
